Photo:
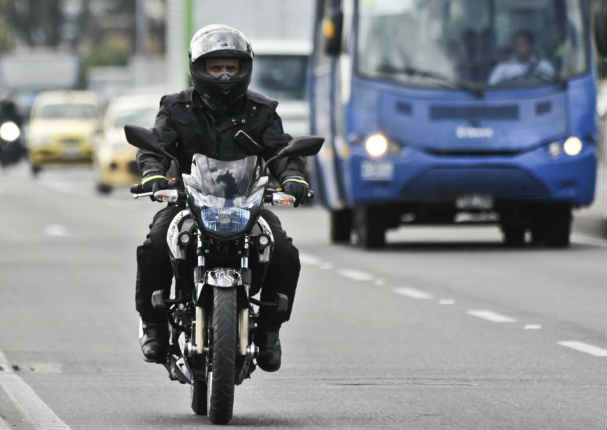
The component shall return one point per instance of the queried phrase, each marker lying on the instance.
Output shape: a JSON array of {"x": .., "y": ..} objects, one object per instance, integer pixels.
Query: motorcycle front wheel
[{"x": 225, "y": 341}]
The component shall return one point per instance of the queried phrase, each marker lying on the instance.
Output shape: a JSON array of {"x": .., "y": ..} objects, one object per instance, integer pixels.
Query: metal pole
[
  {"x": 188, "y": 33},
  {"x": 141, "y": 28}
]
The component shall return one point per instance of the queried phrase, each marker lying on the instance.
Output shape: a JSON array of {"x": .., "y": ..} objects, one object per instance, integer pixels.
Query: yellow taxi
[
  {"x": 61, "y": 127},
  {"x": 114, "y": 157}
]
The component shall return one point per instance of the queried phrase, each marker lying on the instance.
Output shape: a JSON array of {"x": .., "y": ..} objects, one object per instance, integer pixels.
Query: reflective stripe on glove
[
  {"x": 153, "y": 183},
  {"x": 298, "y": 187}
]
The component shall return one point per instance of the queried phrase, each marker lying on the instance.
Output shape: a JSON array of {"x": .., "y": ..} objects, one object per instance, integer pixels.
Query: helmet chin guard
[{"x": 220, "y": 41}]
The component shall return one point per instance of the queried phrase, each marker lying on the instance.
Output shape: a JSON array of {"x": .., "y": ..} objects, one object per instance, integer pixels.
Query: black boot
[
  {"x": 154, "y": 341},
  {"x": 269, "y": 350}
]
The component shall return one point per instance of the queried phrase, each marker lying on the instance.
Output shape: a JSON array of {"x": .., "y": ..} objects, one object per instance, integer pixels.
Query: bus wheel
[
  {"x": 341, "y": 225},
  {"x": 557, "y": 225},
  {"x": 369, "y": 227},
  {"x": 513, "y": 235}
]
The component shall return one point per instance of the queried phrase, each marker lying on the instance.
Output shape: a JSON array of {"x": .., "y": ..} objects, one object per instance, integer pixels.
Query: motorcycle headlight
[
  {"x": 9, "y": 131},
  {"x": 225, "y": 220}
]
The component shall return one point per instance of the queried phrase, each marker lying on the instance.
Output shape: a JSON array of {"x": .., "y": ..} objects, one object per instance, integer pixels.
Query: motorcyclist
[
  {"x": 11, "y": 151},
  {"x": 205, "y": 119}
]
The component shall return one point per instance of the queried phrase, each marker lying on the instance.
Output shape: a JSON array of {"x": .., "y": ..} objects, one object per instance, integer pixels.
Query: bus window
[{"x": 466, "y": 40}]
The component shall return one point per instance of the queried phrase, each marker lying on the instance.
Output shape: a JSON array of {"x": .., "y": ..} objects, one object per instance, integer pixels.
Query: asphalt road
[{"x": 444, "y": 329}]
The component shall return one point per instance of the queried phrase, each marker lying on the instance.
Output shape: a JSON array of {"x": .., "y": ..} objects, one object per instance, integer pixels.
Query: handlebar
[{"x": 274, "y": 197}]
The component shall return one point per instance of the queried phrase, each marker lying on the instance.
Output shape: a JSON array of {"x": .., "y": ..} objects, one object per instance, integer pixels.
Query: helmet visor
[{"x": 221, "y": 68}]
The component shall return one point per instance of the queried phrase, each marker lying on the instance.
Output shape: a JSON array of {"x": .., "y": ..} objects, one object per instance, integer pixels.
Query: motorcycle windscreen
[
  {"x": 225, "y": 191},
  {"x": 223, "y": 179}
]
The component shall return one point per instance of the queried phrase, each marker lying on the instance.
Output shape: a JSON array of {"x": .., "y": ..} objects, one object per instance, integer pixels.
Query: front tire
[
  {"x": 341, "y": 225},
  {"x": 558, "y": 227},
  {"x": 225, "y": 341},
  {"x": 35, "y": 170},
  {"x": 103, "y": 188},
  {"x": 369, "y": 227}
]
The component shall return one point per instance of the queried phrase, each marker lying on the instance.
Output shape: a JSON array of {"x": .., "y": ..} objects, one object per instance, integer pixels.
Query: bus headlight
[
  {"x": 573, "y": 146},
  {"x": 377, "y": 145},
  {"x": 9, "y": 131}
]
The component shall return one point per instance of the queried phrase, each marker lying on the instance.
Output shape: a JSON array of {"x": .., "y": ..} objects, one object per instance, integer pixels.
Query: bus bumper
[{"x": 418, "y": 176}]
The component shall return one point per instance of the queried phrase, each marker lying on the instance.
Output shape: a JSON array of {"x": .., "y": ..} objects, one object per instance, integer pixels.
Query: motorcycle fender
[
  {"x": 223, "y": 277},
  {"x": 177, "y": 252},
  {"x": 218, "y": 277}
]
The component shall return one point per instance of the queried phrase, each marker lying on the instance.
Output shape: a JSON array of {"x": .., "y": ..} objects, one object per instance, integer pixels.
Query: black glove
[
  {"x": 153, "y": 183},
  {"x": 298, "y": 187}
]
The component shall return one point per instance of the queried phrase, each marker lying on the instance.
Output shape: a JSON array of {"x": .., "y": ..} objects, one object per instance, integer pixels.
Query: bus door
[{"x": 324, "y": 109}]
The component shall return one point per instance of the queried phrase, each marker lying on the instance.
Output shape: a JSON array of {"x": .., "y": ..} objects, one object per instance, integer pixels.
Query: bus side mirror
[
  {"x": 331, "y": 30},
  {"x": 600, "y": 32}
]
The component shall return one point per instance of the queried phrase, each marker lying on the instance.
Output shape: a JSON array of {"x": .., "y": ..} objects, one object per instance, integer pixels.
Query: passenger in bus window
[{"x": 524, "y": 64}]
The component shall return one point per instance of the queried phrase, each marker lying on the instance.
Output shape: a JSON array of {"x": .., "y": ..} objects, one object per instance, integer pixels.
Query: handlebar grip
[{"x": 136, "y": 189}]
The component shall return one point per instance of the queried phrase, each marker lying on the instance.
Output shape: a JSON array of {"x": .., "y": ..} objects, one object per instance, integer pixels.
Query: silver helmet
[{"x": 220, "y": 41}]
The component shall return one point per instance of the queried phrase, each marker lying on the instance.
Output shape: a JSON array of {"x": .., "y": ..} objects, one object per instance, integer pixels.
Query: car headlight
[
  {"x": 9, "y": 131},
  {"x": 573, "y": 146},
  {"x": 225, "y": 220},
  {"x": 377, "y": 145}
]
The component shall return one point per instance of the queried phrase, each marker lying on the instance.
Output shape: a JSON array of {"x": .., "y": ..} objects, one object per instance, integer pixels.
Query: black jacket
[{"x": 186, "y": 126}]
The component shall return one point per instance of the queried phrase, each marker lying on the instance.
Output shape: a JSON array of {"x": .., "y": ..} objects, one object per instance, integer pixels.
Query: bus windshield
[{"x": 484, "y": 43}]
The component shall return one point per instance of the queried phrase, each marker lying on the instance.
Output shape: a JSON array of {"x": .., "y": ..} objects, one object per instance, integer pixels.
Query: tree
[{"x": 34, "y": 22}]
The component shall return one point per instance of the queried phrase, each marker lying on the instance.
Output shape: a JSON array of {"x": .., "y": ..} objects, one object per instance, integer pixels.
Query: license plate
[
  {"x": 377, "y": 170},
  {"x": 474, "y": 201},
  {"x": 71, "y": 152}
]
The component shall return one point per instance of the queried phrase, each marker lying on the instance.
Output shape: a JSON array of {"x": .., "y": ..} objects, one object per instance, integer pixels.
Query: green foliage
[{"x": 115, "y": 50}]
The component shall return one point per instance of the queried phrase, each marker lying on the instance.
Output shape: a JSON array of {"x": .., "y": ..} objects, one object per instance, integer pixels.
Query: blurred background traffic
[{"x": 74, "y": 72}]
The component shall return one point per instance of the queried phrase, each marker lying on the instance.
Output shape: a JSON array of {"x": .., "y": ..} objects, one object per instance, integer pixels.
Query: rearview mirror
[
  {"x": 142, "y": 138},
  {"x": 302, "y": 147},
  {"x": 600, "y": 32},
  {"x": 332, "y": 33}
]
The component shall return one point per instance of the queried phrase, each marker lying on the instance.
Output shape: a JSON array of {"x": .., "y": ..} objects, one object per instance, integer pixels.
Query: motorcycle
[{"x": 212, "y": 309}]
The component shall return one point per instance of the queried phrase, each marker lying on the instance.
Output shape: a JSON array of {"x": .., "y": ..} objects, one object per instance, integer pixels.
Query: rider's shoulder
[
  {"x": 261, "y": 100},
  {"x": 181, "y": 97}
]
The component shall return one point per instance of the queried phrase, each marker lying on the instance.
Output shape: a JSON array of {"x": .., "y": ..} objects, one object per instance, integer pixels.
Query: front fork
[{"x": 199, "y": 338}]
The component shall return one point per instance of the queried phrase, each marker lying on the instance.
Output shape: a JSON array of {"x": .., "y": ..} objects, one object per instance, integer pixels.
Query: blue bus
[{"x": 454, "y": 111}]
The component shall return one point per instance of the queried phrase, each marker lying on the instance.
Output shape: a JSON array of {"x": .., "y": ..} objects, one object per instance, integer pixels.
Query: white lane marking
[
  {"x": 326, "y": 266},
  {"x": 4, "y": 425},
  {"x": 35, "y": 411},
  {"x": 356, "y": 275},
  {"x": 309, "y": 260},
  {"x": 532, "y": 327},
  {"x": 379, "y": 282},
  {"x": 589, "y": 240},
  {"x": 446, "y": 302},
  {"x": 56, "y": 230},
  {"x": 413, "y": 293},
  {"x": 584, "y": 347},
  {"x": 490, "y": 316},
  {"x": 63, "y": 187}
]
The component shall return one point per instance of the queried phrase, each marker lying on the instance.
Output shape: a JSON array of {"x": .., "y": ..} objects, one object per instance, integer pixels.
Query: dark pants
[{"x": 154, "y": 270}]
